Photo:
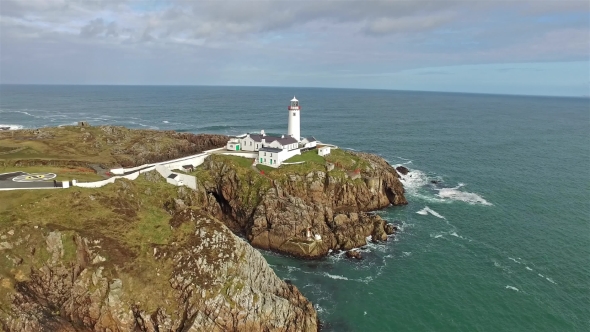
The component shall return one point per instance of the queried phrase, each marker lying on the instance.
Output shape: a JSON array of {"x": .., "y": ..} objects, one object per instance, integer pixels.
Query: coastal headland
[{"x": 150, "y": 256}]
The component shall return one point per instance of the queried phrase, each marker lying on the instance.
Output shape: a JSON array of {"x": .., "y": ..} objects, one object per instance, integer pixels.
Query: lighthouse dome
[{"x": 294, "y": 99}]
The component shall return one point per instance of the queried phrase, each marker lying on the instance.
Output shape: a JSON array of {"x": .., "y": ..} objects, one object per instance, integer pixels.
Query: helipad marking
[{"x": 34, "y": 177}]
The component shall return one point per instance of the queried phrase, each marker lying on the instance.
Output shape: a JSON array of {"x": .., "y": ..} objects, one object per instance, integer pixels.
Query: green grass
[
  {"x": 345, "y": 160},
  {"x": 308, "y": 156},
  {"x": 265, "y": 169},
  {"x": 238, "y": 161}
]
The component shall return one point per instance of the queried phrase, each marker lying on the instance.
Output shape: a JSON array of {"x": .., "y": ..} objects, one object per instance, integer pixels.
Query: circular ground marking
[{"x": 34, "y": 177}]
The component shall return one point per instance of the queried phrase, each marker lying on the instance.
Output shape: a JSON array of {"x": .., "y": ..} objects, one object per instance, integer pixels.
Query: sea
[{"x": 496, "y": 235}]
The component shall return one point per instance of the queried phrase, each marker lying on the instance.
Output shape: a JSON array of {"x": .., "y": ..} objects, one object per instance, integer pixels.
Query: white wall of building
[
  {"x": 269, "y": 158},
  {"x": 324, "y": 151},
  {"x": 248, "y": 144},
  {"x": 310, "y": 144},
  {"x": 242, "y": 154},
  {"x": 294, "y": 124},
  {"x": 288, "y": 154}
]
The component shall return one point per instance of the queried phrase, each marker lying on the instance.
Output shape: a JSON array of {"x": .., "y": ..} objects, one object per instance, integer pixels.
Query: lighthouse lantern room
[{"x": 294, "y": 119}]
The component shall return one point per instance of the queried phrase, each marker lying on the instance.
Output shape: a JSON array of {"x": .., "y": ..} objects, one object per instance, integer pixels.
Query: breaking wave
[
  {"x": 512, "y": 287},
  {"x": 426, "y": 210},
  {"x": 458, "y": 195},
  {"x": 414, "y": 180},
  {"x": 335, "y": 276}
]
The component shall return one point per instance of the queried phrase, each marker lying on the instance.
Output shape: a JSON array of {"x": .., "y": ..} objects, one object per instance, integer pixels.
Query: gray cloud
[
  {"x": 211, "y": 42},
  {"x": 98, "y": 27}
]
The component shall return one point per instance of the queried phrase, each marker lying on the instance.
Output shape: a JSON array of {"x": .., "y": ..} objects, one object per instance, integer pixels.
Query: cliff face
[
  {"x": 191, "y": 274},
  {"x": 275, "y": 211}
]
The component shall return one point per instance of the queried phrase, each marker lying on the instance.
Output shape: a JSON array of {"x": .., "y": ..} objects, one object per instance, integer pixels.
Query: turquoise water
[{"x": 501, "y": 243}]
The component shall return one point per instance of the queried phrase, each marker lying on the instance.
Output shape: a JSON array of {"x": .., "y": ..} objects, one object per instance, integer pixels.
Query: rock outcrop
[
  {"x": 402, "y": 170},
  {"x": 210, "y": 281},
  {"x": 276, "y": 212}
]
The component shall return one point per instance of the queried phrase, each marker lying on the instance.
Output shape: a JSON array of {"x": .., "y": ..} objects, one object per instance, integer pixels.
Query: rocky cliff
[
  {"x": 276, "y": 209},
  {"x": 135, "y": 256}
]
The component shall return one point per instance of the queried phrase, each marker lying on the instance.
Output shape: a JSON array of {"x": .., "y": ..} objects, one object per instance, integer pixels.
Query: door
[{"x": 238, "y": 147}]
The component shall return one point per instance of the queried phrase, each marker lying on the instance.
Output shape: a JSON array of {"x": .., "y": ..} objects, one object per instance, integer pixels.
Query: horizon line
[{"x": 587, "y": 96}]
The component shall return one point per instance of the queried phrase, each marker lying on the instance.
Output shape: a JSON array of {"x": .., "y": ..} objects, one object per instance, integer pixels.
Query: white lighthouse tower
[{"x": 294, "y": 119}]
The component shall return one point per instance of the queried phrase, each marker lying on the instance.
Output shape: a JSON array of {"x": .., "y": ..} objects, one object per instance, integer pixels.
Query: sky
[{"x": 495, "y": 46}]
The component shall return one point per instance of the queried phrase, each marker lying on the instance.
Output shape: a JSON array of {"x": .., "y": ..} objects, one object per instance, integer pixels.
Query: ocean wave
[
  {"x": 11, "y": 126},
  {"x": 512, "y": 287},
  {"x": 458, "y": 195},
  {"x": 413, "y": 181},
  {"x": 528, "y": 268},
  {"x": 334, "y": 276},
  {"x": 426, "y": 210},
  {"x": 220, "y": 127}
]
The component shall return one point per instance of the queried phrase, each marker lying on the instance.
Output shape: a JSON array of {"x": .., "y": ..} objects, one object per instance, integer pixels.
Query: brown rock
[
  {"x": 275, "y": 214},
  {"x": 212, "y": 281},
  {"x": 390, "y": 228},
  {"x": 354, "y": 254}
]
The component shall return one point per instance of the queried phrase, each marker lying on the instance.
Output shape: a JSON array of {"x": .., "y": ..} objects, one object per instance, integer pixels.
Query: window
[
  {"x": 293, "y": 113},
  {"x": 250, "y": 143},
  {"x": 265, "y": 154}
]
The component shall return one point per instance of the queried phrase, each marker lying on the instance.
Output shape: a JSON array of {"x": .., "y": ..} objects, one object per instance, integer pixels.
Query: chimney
[
  {"x": 282, "y": 136},
  {"x": 262, "y": 132}
]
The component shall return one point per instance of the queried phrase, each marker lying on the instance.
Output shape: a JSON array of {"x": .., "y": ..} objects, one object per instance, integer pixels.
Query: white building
[
  {"x": 294, "y": 119},
  {"x": 309, "y": 142},
  {"x": 324, "y": 150},
  {"x": 273, "y": 150}
]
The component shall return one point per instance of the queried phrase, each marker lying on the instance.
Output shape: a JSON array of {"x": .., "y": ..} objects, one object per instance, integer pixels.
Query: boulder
[
  {"x": 390, "y": 228},
  {"x": 402, "y": 170},
  {"x": 354, "y": 254}
]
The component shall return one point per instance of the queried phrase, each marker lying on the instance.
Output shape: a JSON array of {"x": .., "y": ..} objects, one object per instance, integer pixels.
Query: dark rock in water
[
  {"x": 402, "y": 170},
  {"x": 434, "y": 181},
  {"x": 390, "y": 228},
  {"x": 354, "y": 254},
  {"x": 4, "y": 128}
]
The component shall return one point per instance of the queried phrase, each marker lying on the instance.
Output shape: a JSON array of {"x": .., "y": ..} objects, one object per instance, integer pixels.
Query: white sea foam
[
  {"x": 11, "y": 126},
  {"x": 426, "y": 210},
  {"x": 512, "y": 287},
  {"x": 333, "y": 276},
  {"x": 540, "y": 275},
  {"x": 406, "y": 253},
  {"x": 414, "y": 180},
  {"x": 165, "y": 121},
  {"x": 514, "y": 260},
  {"x": 528, "y": 268},
  {"x": 457, "y": 195},
  {"x": 551, "y": 280}
]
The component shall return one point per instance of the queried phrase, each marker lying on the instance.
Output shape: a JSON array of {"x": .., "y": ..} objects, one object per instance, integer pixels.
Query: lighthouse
[{"x": 294, "y": 119}]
